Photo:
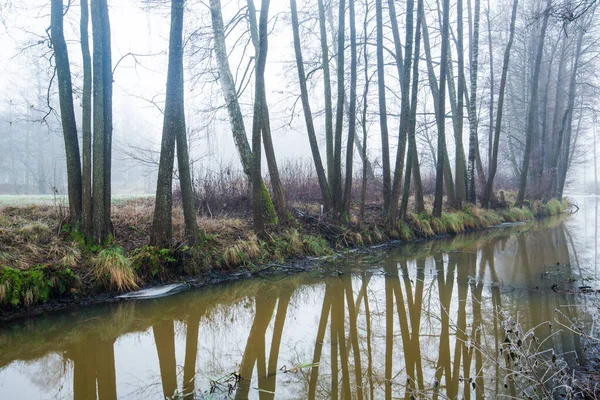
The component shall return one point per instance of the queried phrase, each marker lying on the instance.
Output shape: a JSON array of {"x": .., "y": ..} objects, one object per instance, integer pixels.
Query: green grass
[{"x": 50, "y": 199}]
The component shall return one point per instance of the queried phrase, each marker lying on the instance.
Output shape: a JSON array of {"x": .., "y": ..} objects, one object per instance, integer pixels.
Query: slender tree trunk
[
  {"x": 473, "y": 141},
  {"x": 543, "y": 138},
  {"x": 363, "y": 191},
  {"x": 312, "y": 136},
  {"x": 404, "y": 76},
  {"x": 351, "y": 112},
  {"x": 339, "y": 120},
  {"x": 493, "y": 162},
  {"x": 492, "y": 83},
  {"x": 385, "y": 146},
  {"x": 556, "y": 142},
  {"x": 86, "y": 122},
  {"x": 278, "y": 192},
  {"x": 441, "y": 112},
  {"x": 596, "y": 188},
  {"x": 564, "y": 160},
  {"x": 236, "y": 119},
  {"x": 433, "y": 84},
  {"x": 183, "y": 158},
  {"x": 258, "y": 119},
  {"x": 102, "y": 120},
  {"x": 327, "y": 92},
  {"x": 460, "y": 173},
  {"x": 173, "y": 123},
  {"x": 532, "y": 108},
  {"x": 412, "y": 156},
  {"x": 107, "y": 82},
  {"x": 67, "y": 112}
]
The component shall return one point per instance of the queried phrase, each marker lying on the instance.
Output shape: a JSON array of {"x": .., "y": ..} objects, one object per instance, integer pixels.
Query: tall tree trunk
[
  {"x": 86, "y": 122},
  {"x": 404, "y": 77},
  {"x": 312, "y": 136},
  {"x": 363, "y": 191},
  {"x": 556, "y": 141},
  {"x": 107, "y": 82},
  {"x": 385, "y": 146},
  {"x": 67, "y": 112},
  {"x": 473, "y": 141},
  {"x": 492, "y": 83},
  {"x": 339, "y": 118},
  {"x": 173, "y": 123},
  {"x": 596, "y": 187},
  {"x": 532, "y": 108},
  {"x": 564, "y": 160},
  {"x": 236, "y": 119},
  {"x": 412, "y": 158},
  {"x": 433, "y": 84},
  {"x": 278, "y": 192},
  {"x": 459, "y": 171},
  {"x": 102, "y": 120},
  {"x": 493, "y": 162},
  {"x": 258, "y": 120},
  {"x": 327, "y": 92},
  {"x": 351, "y": 112},
  {"x": 441, "y": 112},
  {"x": 183, "y": 158}
]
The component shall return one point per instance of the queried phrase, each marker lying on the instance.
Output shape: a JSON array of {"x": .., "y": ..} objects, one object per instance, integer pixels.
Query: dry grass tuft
[
  {"x": 114, "y": 270},
  {"x": 34, "y": 232},
  {"x": 242, "y": 252}
]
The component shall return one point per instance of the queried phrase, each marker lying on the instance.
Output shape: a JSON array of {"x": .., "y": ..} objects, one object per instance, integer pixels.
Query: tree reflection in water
[{"x": 407, "y": 323}]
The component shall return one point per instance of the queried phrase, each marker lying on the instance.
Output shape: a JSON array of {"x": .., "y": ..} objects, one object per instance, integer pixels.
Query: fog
[{"x": 32, "y": 155}]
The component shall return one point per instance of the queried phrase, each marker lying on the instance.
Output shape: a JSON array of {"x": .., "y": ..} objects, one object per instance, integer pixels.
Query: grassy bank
[{"x": 41, "y": 259}]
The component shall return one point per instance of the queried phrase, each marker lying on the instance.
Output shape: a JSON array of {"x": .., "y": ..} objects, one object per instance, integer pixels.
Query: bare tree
[
  {"x": 174, "y": 132},
  {"x": 102, "y": 121},
  {"x": 67, "y": 112},
  {"x": 385, "y": 147},
  {"x": 86, "y": 122},
  {"x": 312, "y": 137},
  {"x": 231, "y": 96},
  {"x": 531, "y": 111},
  {"x": 278, "y": 191},
  {"x": 327, "y": 92},
  {"x": 473, "y": 122},
  {"x": 258, "y": 119},
  {"x": 493, "y": 162},
  {"x": 352, "y": 111},
  {"x": 437, "y": 204},
  {"x": 412, "y": 157}
]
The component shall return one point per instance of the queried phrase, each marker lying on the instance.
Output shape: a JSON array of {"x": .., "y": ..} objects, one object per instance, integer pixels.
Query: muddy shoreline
[
  {"x": 336, "y": 242},
  {"x": 290, "y": 267}
]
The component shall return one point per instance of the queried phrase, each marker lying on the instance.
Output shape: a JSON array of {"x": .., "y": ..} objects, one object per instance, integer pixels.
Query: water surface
[{"x": 406, "y": 321}]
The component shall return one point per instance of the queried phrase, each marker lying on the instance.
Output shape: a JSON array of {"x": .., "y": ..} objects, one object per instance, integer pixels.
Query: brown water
[{"x": 386, "y": 324}]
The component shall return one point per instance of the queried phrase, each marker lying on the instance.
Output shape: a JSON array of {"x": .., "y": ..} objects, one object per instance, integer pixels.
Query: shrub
[{"x": 35, "y": 285}]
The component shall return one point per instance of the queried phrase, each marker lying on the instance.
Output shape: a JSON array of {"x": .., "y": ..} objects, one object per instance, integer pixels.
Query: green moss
[{"x": 270, "y": 214}]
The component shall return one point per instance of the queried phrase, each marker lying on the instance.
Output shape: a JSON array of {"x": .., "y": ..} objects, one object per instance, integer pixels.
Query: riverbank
[{"x": 45, "y": 267}]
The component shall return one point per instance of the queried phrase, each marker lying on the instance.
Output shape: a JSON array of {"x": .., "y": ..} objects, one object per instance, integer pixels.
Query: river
[{"x": 424, "y": 319}]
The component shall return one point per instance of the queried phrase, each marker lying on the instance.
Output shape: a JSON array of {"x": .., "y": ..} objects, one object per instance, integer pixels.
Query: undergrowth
[
  {"x": 37, "y": 284},
  {"x": 29, "y": 241}
]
